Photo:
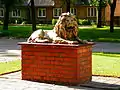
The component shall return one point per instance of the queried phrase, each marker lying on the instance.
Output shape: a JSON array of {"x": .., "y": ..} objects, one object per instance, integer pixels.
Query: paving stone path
[
  {"x": 9, "y": 50},
  {"x": 13, "y": 82}
]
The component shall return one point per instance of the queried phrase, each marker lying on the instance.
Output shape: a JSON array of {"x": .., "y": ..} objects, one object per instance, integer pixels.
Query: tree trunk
[
  {"x": 29, "y": 19},
  {"x": 99, "y": 25},
  {"x": 112, "y": 20},
  {"x": 112, "y": 9},
  {"x": 33, "y": 15},
  {"x": 68, "y": 6},
  {"x": 6, "y": 18}
]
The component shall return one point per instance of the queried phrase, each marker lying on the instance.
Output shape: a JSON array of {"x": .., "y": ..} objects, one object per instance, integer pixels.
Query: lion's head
[{"x": 66, "y": 26}]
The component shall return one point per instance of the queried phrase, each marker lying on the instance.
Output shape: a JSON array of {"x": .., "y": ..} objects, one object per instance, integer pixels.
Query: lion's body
[{"x": 65, "y": 31}]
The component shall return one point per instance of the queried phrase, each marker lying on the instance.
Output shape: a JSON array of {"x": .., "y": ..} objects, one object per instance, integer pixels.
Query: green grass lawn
[
  {"x": 100, "y": 34},
  {"x": 106, "y": 64},
  {"x": 90, "y": 33},
  {"x": 102, "y": 64},
  {"x": 18, "y": 31},
  {"x": 6, "y": 67}
]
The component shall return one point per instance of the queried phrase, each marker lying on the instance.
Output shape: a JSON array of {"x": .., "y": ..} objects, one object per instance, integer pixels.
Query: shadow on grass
[{"x": 99, "y": 34}]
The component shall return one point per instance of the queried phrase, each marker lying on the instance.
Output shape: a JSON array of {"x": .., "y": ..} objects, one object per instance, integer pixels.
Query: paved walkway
[
  {"x": 9, "y": 50},
  {"x": 13, "y": 82},
  {"x": 106, "y": 47}
]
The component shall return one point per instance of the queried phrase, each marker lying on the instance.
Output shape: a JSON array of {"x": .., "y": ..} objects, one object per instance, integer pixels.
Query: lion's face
[
  {"x": 70, "y": 23},
  {"x": 66, "y": 26}
]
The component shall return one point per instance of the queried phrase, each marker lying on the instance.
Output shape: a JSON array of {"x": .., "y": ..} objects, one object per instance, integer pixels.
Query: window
[
  {"x": 57, "y": 12},
  {"x": 91, "y": 12},
  {"x": 42, "y": 12},
  {"x": 73, "y": 11},
  {"x": 1, "y": 12},
  {"x": 16, "y": 13}
]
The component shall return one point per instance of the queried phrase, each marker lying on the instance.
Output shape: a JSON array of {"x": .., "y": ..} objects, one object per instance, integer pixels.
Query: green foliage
[
  {"x": 1, "y": 22},
  {"x": 54, "y": 21},
  {"x": 109, "y": 2},
  {"x": 16, "y": 21},
  {"x": 84, "y": 22},
  {"x": 81, "y": 2},
  {"x": 96, "y": 2},
  {"x": 12, "y": 3},
  {"x": 24, "y": 22}
]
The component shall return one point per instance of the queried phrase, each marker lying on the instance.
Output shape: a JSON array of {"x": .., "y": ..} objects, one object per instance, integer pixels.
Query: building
[
  {"x": 116, "y": 15},
  {"x": 46, "y": 10}
]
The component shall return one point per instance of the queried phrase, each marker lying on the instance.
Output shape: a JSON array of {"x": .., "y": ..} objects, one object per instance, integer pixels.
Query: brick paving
[
  {"x": 13, "y": 82},
  {"x": 9, "y": 50}
]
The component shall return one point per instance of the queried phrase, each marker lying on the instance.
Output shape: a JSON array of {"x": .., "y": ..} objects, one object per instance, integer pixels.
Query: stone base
[{"x": 57, "y": 63}]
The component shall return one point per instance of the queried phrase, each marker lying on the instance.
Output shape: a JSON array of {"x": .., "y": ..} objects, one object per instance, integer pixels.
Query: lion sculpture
[{"x": 65, "y": 32}]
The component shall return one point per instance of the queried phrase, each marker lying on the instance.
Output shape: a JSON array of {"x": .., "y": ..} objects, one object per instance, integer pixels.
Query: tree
[
  {"x": 68, "y": 3},
  {"x": 33, "y": 15},
  {"x": 99, "y": 4},
  {"x": 112, "y": 4},
  {"x": 99, "y": 25},
  {"x": 8, "y": 5}
]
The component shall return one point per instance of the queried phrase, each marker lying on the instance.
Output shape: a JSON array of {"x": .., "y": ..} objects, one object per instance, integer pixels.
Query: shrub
[
  {"x": 93, "y": 22},
  {"x": 16, "y": 20},
  {"x": 1, "y": 22},
  {"x": 54, "y": 21},
  {"x": 84, "y": 22},
  {"x": 23, "y": 22},
  {"x": 80, "y": 21}
]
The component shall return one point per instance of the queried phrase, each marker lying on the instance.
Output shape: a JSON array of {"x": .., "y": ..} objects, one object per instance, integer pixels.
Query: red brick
[{"x": 59, "y": 63}]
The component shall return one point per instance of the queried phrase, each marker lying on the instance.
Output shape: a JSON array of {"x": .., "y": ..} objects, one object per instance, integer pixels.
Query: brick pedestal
[{"x": 56, "y": 63}]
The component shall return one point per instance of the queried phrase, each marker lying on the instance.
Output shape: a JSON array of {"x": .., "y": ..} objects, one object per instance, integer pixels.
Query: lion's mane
[{"x": 66, "y": 26}]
